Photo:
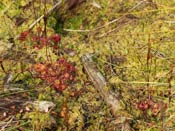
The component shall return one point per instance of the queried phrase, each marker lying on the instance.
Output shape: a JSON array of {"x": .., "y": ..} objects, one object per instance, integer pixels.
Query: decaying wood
[{"x": 100, "y": 83}]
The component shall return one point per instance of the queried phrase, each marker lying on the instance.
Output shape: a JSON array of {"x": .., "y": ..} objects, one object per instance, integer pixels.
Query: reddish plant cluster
[
  {"x": 58, "y": 74},
  {"x": 39, "y": 40},
  {"x": 23, "y": 36},
  {"x": 146, "y": 105}
]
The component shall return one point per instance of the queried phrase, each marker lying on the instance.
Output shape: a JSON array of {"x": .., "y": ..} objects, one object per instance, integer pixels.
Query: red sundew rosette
[
  {"x": 23, "y": 36},
  {"x": 57, "y": 74}
]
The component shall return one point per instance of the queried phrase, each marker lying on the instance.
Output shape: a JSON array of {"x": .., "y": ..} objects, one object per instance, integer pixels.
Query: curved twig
[{"x": 47, "y": 13}]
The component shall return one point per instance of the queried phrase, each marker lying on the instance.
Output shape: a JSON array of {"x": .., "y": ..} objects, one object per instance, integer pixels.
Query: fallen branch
[{"x": 100, "y": 83}]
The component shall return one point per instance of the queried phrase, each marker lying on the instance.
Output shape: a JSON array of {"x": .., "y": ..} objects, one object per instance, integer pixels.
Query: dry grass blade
[{"x": 115, "y": 29}]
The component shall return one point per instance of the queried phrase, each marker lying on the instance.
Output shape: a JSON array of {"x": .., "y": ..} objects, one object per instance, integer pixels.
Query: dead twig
[
  {"x": 7, "y": 123},
  {"x": 100, "y": 83},
  {"x": 47, "y": 13}
]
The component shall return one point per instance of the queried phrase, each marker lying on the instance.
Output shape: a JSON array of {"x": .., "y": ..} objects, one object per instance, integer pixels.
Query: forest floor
[{"x": 127, "y": 82}]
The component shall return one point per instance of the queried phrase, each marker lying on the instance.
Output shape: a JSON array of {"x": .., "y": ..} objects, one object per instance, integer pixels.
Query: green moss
[{"x": 75, "y": 22}]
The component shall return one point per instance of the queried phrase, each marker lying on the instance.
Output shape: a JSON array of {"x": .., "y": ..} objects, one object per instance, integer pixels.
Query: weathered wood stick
[{"x": 100, "y": 83}]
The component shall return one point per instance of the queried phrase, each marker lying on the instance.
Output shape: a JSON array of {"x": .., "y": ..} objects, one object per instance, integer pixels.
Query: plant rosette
[{"x": 57, "y": 74}]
